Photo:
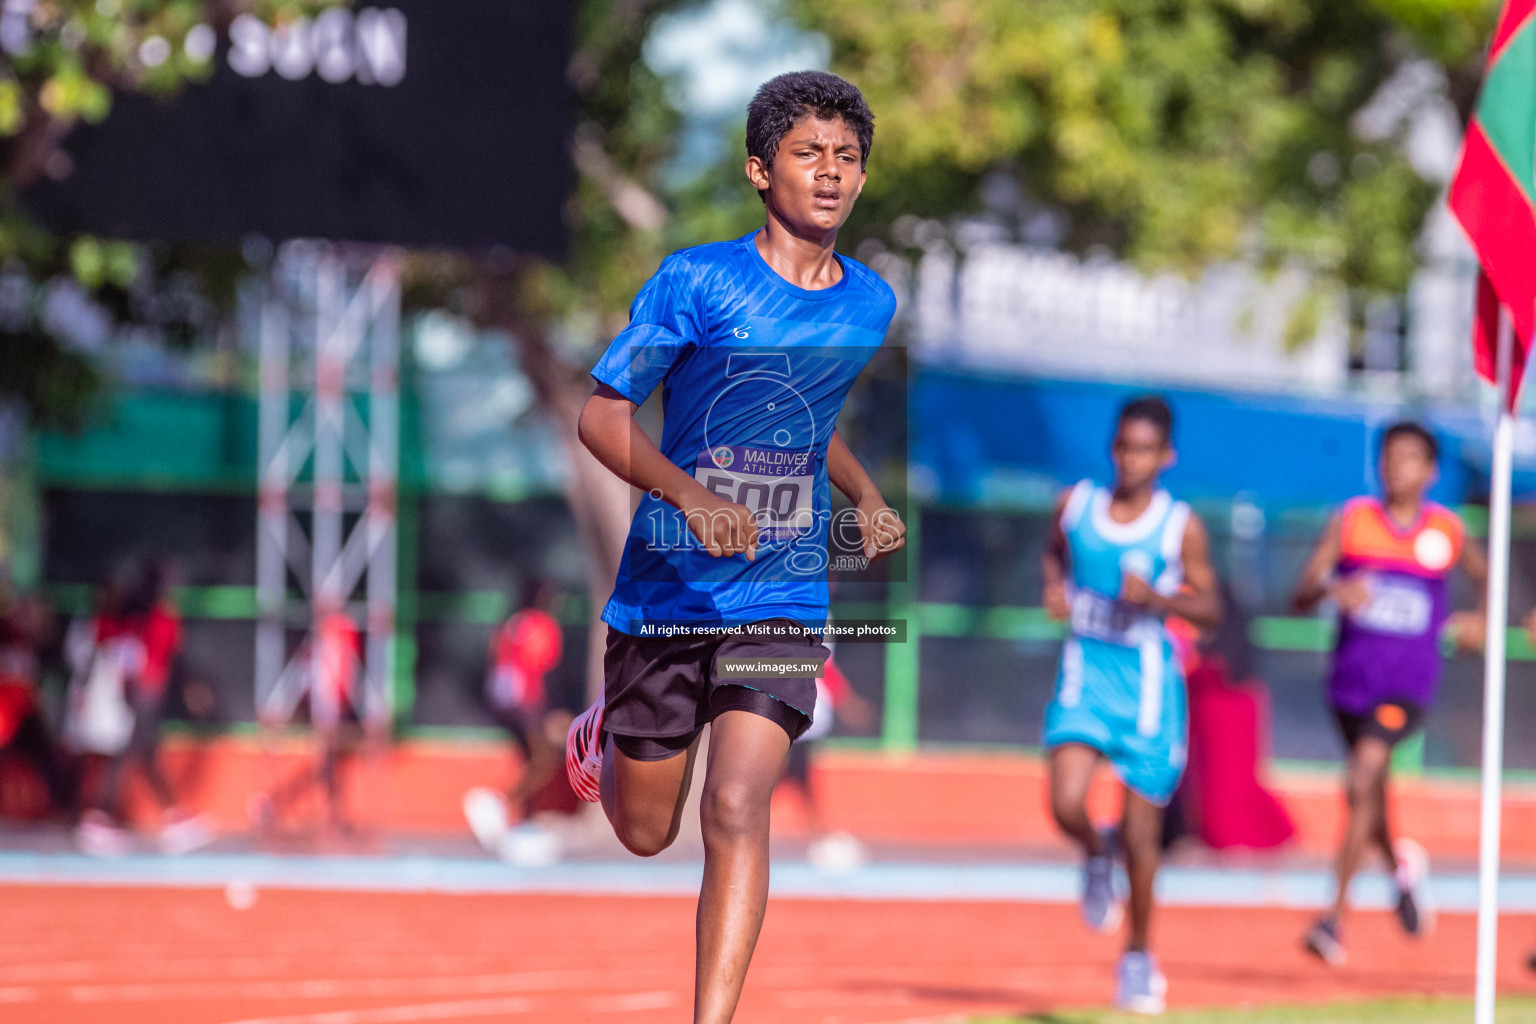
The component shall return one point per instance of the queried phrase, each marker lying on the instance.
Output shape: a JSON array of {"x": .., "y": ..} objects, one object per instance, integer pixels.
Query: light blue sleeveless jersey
[{"x": 1120, "y": 689}]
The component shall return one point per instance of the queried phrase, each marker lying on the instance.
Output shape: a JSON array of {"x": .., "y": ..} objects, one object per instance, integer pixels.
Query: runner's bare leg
[{"x": 747, "y": 753}]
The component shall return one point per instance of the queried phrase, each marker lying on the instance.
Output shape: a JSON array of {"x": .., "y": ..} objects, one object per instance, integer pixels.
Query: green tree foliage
[
  {"x": 621, "y": 218},
  {"x": 1173, "y": 131},
  {"x": 62, "y": 62},
  {"x": 1176, "y": 132}
]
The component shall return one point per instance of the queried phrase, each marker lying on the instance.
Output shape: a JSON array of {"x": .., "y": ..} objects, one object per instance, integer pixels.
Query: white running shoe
[
  {"x": 1325, "y": 940},
  {"x": 584, "y": 753},
  {"x": 485, "y": 811},
  {"x": 1140, "y": 986},
  {"x": 97, "y": 836},
  {"x": 1101, "y": 909},
  {"x": 184, "y": 835},
  {"x": 530, "y": 846},
  {"x": 1415, "y": 910}
]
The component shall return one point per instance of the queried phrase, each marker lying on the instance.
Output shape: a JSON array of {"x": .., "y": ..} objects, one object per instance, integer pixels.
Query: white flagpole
[{"x": 1493, "y": 686}]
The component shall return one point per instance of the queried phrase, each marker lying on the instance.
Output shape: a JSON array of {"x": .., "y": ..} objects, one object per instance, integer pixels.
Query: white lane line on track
[
  {"x": 406, "y": 1014},
  {"x": 1178, "y": 885},
  {"x": 830, "y": 999},
  {"x": 342, "y": 988},
  {"x": 458, "y": 1009},
  {"x": 632, "y": 1001},
  {"x": 182, "y": 969}
]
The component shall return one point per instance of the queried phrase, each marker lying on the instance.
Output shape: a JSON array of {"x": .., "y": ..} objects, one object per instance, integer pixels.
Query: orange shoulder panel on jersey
[{"x": 1366, "y": 535}]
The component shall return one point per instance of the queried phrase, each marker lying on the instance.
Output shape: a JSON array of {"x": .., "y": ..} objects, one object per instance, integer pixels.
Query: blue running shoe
[
  {"x": 1139, "y": 986},
  {"x": 1101, "y": 909}
]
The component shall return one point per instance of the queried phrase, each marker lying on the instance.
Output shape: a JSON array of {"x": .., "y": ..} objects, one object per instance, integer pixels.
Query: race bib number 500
[{"x": 777, "y": 486}]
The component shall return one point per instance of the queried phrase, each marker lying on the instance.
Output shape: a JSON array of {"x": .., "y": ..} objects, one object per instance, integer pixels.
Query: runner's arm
[
  {"x": 1053, "y": 564},
  {"x": 1317, "y": 576},
  {"x": 883, "y": 530},
  {"x": 1199, "y": 601},
  {"x": 608, "y": 429},
  {"x": 1469, "y": 630},
  {"x": 1474, "y": 562}
]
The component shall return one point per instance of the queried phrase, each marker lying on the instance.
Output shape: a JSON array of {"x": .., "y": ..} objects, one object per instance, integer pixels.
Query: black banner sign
[{"x": 435, "y": 123}]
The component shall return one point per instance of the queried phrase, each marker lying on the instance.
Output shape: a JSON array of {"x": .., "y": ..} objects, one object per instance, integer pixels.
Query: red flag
[
  {"x": 1494, "y": 192},
  {"x": 1485, "y": 341}
]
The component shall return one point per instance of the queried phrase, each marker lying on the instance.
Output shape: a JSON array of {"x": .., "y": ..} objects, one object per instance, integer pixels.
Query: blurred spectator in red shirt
[
  {"x": 523, "y": 651},
  {"x": 26, "y": 626},
  {"x": 133, "y": 641},
  {"x": 333, "y": 656}
]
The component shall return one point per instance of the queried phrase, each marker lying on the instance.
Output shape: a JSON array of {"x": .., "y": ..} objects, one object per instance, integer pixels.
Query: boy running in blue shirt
[{"x": 723, "y": 583}]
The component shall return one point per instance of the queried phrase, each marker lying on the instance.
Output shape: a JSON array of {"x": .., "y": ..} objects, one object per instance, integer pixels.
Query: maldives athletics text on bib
[{"x": 776, "y": 486}]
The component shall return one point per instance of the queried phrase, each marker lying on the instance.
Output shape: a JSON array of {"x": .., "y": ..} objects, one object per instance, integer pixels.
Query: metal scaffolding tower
[{"x": 329, "y": 462}]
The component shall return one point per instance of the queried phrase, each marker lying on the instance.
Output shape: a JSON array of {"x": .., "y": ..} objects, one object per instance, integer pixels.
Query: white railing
[
  {"x": 1011, "y": 307},
  {"x": 998, "y": 305}
]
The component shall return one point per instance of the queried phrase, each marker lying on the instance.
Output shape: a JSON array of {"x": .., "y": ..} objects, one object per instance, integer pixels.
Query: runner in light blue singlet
[
  {"x": 1120, "y": 688},
  {"x": 1119, "y": 560}
]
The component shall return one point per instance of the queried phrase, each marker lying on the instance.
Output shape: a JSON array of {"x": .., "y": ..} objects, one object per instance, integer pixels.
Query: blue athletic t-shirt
[{"x": 753, "y": 371}]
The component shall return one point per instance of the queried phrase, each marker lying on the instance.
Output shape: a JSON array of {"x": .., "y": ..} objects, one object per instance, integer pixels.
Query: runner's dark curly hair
[{"x": 782, "y": 101}]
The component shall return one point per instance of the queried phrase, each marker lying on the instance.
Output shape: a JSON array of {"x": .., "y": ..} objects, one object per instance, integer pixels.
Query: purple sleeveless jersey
[{"x": 1390, "y": 650}]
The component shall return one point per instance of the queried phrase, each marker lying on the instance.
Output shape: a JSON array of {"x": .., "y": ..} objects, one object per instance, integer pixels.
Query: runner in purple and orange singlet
[{"x": 1386, "y": 562}]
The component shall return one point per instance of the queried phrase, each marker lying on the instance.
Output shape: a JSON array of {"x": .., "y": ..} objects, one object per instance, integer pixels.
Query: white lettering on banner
[
  {"x": 249, "y": 54},
  {"x": 292, "y": 57},
  {"x": 381, "y": 43},
  {"x": 332, "y": 39},
  {"x": 339, "y": 45}
]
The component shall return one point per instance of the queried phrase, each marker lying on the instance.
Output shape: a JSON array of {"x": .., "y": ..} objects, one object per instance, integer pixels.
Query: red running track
[{"x": 184, "y": 956}]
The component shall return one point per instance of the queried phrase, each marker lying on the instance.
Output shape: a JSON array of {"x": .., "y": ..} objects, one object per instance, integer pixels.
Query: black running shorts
[
  {"x": 660, "y": 692},
  {"x": 1390, "y": 721}
]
